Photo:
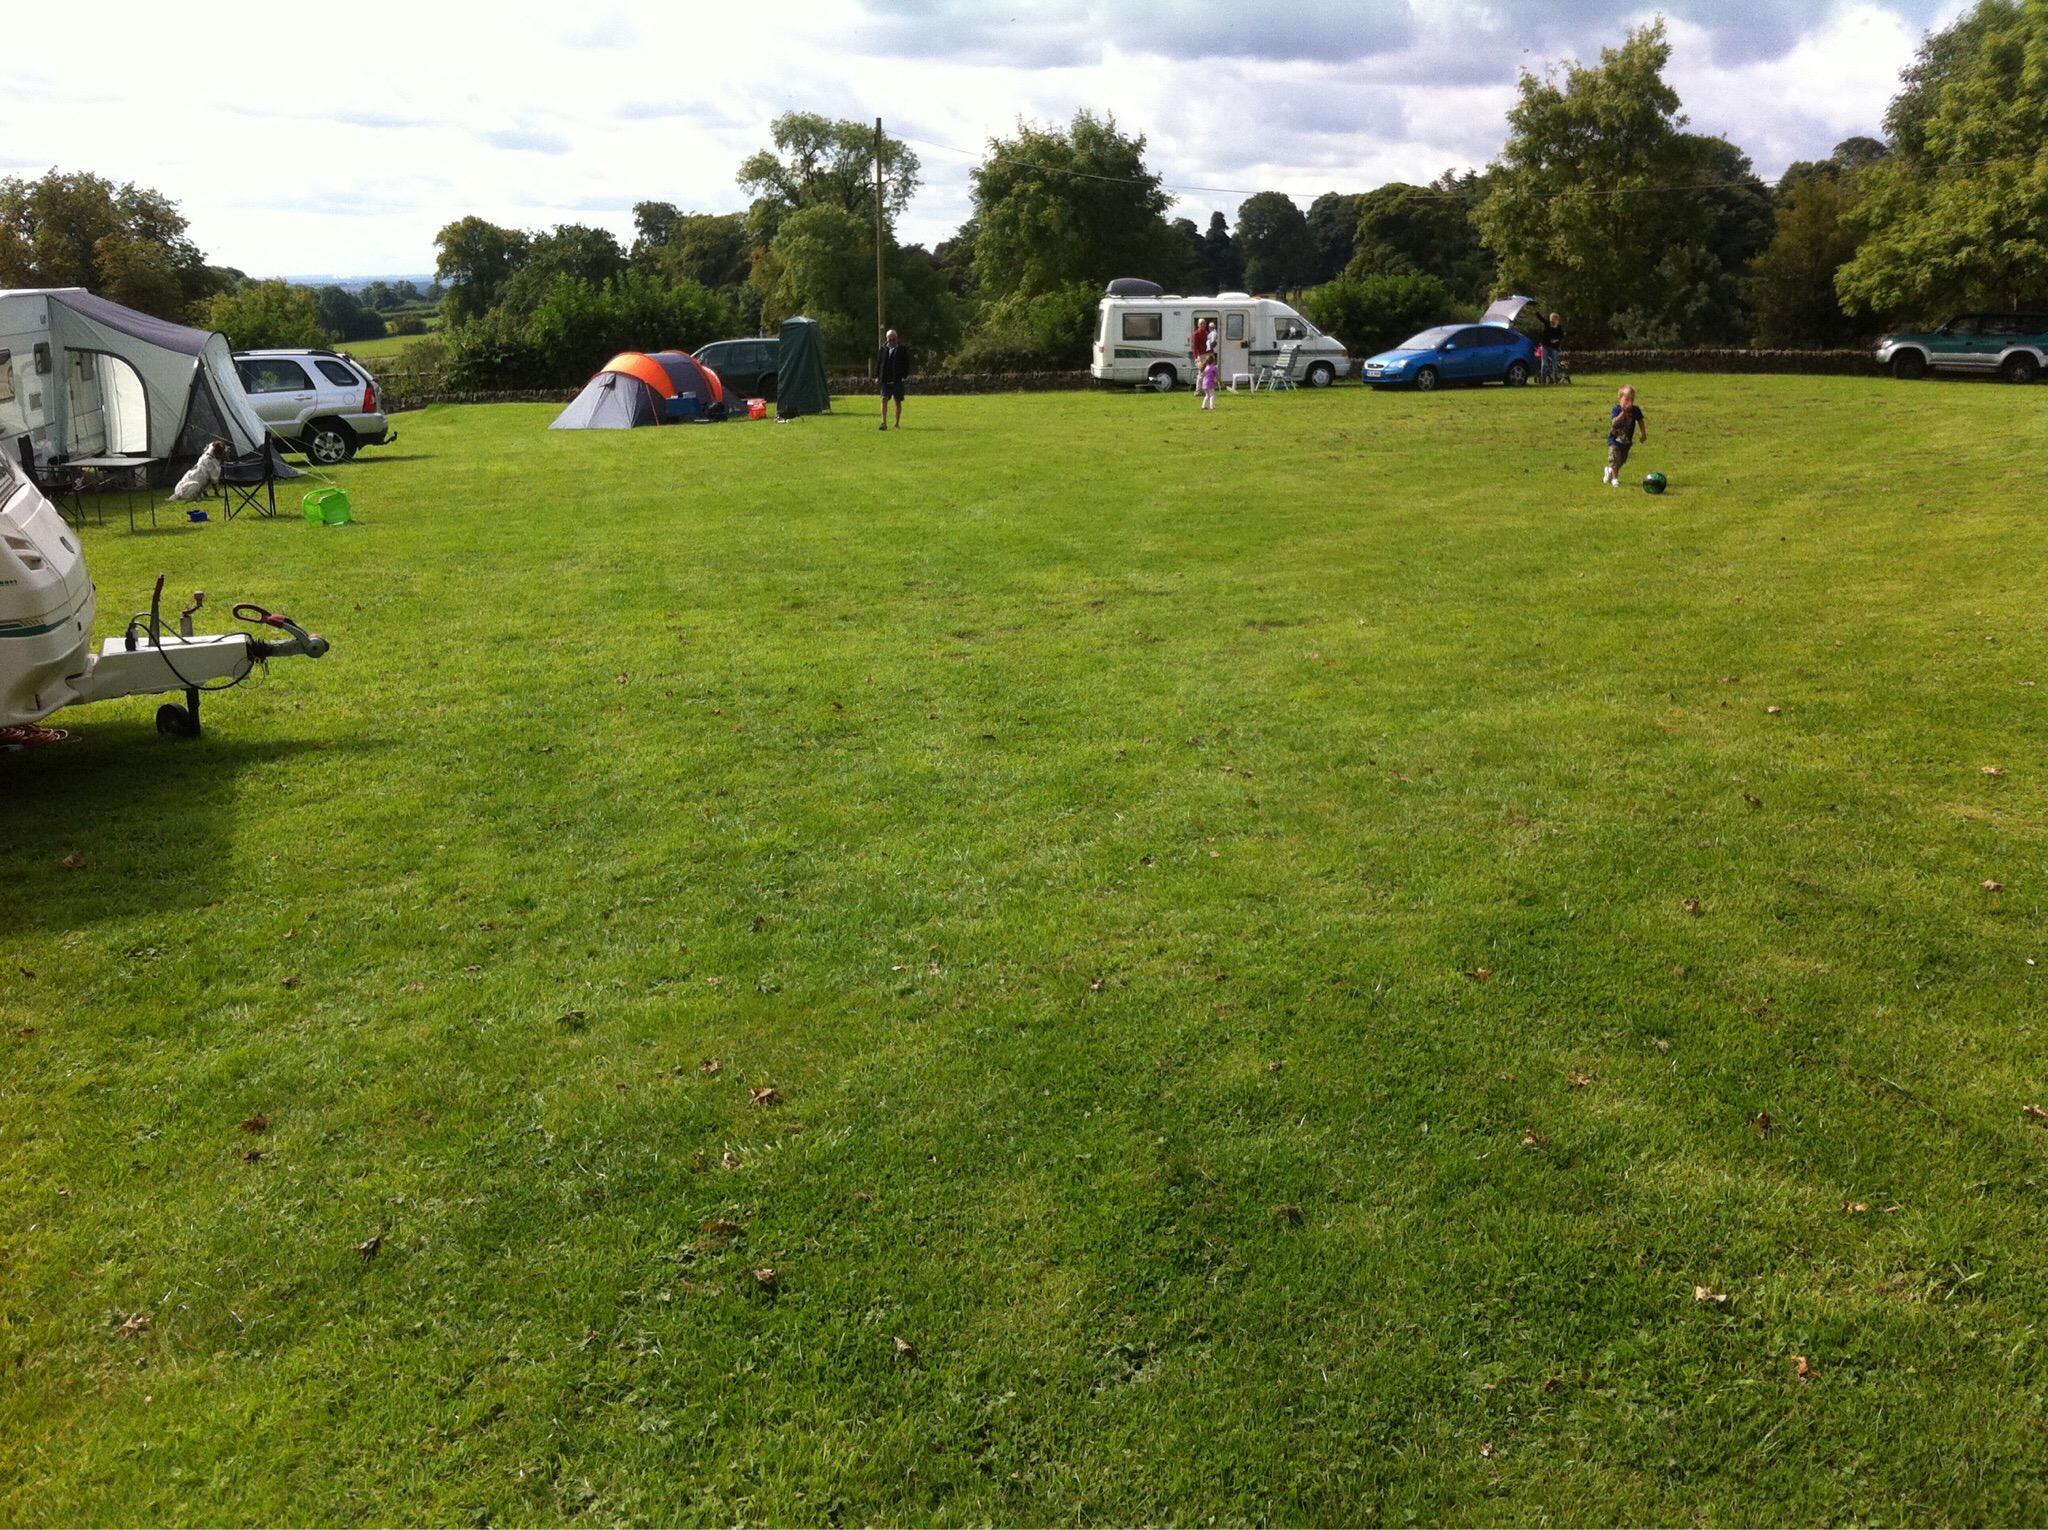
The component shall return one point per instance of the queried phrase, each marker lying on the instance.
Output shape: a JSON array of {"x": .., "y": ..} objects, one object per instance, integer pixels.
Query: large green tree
[
  {"x": 1222, "y": 256},
  {"x": 822, "y": 161},
  {"x": 266, "y": 314},
  {"x": 124, "y": 242},
  {"x": 476, "y": 258},
  {"x": 345, "y": 316},
  {"x": 1580, "y": 208},
  {"x": 1792, "y": 282},
  {"x": 1958, "y": 217},
  {"x": 1409, "y": 230},
  {"x": 575, "y": 250},
  {"x": 822, "y": 263},
  {"x": 1058, "y": 207},
  {"x": 1333, "y": 225},
  {"x": 1279, "y": 251}
]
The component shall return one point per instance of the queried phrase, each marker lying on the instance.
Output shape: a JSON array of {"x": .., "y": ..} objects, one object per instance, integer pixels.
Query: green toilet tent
[{"x": 800, "y": 374}]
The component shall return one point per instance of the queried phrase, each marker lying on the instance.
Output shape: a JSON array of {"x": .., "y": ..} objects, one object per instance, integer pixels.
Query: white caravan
[
  {"x": 84, "y": 377},
  {"x": 48, "y": 608},
  {"x": 1148, "y": 340}
]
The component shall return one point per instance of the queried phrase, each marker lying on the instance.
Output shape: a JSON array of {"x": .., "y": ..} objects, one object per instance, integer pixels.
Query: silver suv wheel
[{"x": 328, "y": 443}]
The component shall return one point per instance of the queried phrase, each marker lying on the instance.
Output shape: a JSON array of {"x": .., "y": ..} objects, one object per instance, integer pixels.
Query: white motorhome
[{"x": 1147, "y": 339}]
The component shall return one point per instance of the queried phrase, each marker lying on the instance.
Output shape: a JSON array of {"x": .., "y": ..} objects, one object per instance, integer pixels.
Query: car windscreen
[{"x": 1429, "y": 339}]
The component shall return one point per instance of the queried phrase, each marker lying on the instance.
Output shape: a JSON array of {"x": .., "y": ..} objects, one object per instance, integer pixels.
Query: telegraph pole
[{"x": 881, "y": 289}]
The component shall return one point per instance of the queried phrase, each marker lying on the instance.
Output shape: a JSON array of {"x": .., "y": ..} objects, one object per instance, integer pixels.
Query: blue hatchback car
[{"x": 1454, "y": 353}]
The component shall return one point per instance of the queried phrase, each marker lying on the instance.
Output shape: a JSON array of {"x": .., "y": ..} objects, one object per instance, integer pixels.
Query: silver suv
[{"x": 322, "y": 403}]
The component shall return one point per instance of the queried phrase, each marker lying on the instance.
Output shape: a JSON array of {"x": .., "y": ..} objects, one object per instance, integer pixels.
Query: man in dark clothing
[
  {"x": 1553, "y": 347},
  {"x": 892, "y": 366}
]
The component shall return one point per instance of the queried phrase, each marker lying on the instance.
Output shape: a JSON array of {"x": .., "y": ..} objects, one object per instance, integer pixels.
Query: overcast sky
[{"x": 338, "y": 138}]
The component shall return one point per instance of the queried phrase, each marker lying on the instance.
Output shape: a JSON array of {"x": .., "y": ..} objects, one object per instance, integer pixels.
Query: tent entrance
[{"x": 107, "y": 410}]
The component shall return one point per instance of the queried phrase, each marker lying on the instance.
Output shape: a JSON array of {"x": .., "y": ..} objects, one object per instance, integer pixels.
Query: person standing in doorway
[{"x": 892, "y": 367}]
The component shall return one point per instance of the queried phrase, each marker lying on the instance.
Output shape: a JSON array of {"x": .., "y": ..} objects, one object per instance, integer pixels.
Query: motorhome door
[{"x": 1237, "y": 345}]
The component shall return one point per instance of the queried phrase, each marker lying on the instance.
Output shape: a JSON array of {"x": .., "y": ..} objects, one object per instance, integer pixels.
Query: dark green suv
[
  {"x": 746, "y": 367},
  {"x": 2014, "y": 345}
]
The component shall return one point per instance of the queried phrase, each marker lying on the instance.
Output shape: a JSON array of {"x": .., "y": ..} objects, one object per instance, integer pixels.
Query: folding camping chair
[
  {"x": 1279, "y": 372},
  {"x": 61, "y": 486},
  {"x": 250, "y": 483}
]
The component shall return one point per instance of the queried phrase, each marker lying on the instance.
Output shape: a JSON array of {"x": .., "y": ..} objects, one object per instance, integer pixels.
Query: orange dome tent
[{"x": 634, "y": 388}]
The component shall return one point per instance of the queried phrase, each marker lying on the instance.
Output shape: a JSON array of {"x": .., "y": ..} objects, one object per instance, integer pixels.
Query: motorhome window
[
  {"x": 1233, "y": 326},
  {"x": 6, "y": 377},
  {"x": 338, "y": 374},
  {"x": 1289, "y": 329},
  {"x": 1143, "y": 326}
]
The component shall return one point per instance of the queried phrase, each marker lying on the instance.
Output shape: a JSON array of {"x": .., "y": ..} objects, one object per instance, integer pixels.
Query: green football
[{"x": 1654, "y": 484}]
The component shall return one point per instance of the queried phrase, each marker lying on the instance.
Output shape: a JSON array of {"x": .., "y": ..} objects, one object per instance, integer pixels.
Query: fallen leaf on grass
[
  {"x": 905, "y": 1350},
  {"x": 1486, "y": 1450},
  {"x": 1661, "y": 1044},
  {"x": 289, "y": 980},
  {"x": 1275, "y": 1065},
  {"x": 1708, "y": 1296},
  {"x": 1774, "y": 711},
  {"x": 1535, "y": 1140},
  {"x": 769, "y": 1095},
  {"x": 721, "y": 1232},
  {"x": 1996, "y": 772},
  {"x": 1802, "y": 1368},
  {"x": 257, "y": 1123},
  {"x": 2034, "y": 1113},
  {"x": 73, "y": 862},
  {"x": 1290, "y": 1214},
  {"x": 136, "y": 1323},
  {"x": 730, "y": 1160},
  {"x": 1855, "y": 1208},
  {"x": 710, "y": 1066},
  {"x": 1992, "y": 884},
  {"x": 1579, "y": 1078},
  {"x": 1760, "y": 1123},
  {"x": 1691, "y": 906},
  {"x": 1480, "y": 974},
  {"x": 369, "y": 1246},
  {"x": 254, "y": 1155},
  {"x": 765, "y": 1278},
  {"x": 1755, "y": 802}
]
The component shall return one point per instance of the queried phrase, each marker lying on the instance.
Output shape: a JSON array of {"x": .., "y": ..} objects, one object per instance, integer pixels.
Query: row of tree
[{"x": 1602, "y": 203}]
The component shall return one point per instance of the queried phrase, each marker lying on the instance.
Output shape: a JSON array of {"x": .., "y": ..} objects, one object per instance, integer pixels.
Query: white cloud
[{"x": 530, "y": 115}]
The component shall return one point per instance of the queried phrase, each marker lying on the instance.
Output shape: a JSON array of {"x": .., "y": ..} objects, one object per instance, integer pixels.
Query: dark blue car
[{"x": 1454, "y": 353}]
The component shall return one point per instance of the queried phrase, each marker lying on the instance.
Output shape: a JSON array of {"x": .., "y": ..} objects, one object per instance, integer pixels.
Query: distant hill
[{"x": 356, "y": 283}]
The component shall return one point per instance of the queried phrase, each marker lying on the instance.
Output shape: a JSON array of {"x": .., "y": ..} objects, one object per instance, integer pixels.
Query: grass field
[
  {"x": 387, "y": 349},
  {"x": 1302, "y": 952}
]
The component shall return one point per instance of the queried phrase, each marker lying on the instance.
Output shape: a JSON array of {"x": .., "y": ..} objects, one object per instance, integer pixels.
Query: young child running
[
  {"x": 1623, "y": 424},
  {"x": 1209, "y": 383}
]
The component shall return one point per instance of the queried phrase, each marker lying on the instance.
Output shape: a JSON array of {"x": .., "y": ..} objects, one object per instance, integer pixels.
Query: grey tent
[
  {"x": 610, "y": 401},
  {"x": 97, "y": 379},
  {"x": 800, "y": 372}
]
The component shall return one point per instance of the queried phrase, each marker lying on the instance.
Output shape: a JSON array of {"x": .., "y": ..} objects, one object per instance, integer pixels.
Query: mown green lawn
[
  {"x": 1215, "y": 897},
  {"x": 386, "y": 349}
]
